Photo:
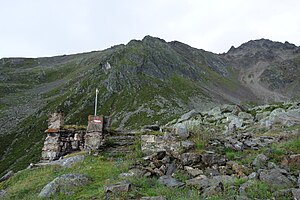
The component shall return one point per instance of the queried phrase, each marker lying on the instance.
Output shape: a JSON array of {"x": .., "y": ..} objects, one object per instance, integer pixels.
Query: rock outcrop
[{"x": 64, "y": 184}]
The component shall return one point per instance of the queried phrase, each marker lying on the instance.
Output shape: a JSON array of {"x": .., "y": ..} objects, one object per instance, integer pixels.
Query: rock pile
[
  {"x": 210, "y": 170},
  {"x": 233, "y": 118}
]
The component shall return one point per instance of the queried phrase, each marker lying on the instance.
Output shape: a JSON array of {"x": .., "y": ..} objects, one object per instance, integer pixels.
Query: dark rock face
[{"x": 64, "y": 184}]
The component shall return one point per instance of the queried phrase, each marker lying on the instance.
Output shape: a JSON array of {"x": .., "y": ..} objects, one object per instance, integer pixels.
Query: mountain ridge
[{"x": 143, "y": 82}]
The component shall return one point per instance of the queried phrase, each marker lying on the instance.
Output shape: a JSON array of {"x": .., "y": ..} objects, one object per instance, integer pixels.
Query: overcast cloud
[{"x": 35, "y": 28}]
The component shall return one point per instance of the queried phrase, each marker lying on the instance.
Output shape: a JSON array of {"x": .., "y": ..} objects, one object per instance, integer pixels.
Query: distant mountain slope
[
  {"x": 269, "y": 69},
  {"x": 143, "y": 82}
]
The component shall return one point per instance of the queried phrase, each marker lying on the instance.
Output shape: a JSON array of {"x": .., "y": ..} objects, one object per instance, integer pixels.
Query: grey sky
[{"x": 34, "y": 28}]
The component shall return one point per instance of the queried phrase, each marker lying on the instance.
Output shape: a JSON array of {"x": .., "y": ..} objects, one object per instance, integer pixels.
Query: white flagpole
[{"x": 95, "y": 114}]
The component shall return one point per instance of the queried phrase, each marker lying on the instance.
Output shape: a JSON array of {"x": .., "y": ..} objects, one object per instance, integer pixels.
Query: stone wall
[{"x": 61, "y": 141}]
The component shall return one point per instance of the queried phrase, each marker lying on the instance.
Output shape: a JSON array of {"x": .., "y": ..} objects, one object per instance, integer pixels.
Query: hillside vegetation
[
  {"x": 206, "y": 157},
  {"x": 142, "y": 82}
]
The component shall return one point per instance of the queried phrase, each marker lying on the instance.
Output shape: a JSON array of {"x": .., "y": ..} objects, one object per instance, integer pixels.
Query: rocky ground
[{"x": 229, "y": 152}]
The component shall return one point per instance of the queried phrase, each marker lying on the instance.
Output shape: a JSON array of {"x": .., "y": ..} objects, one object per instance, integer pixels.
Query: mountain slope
[
  {"x": 269, "y": 69},
  {"x": 140, "y": 83}
]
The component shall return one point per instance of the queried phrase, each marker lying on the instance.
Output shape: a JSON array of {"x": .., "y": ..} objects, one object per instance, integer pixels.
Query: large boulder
[
  {"x": 64, "y": 184},
  {"x": 201, "y": 182},
  {"x": 170, "y": 181},
  {"x": 213, "y": 190},
  {"x": 287, "y": 118},
  {"x": 190, "y": 158},
  {"x": 117, "y": 188},
  {"x": 215, "y": 112},
  {"x": 245, "y": 116},
  {"x": 234, "y": 122},
  {"x": 188, "y": 115},
  {"x": 261, "y": 115},
  {"x": 193, "y": 171},
  {"x": 210, "y": 159},
  {"x": 275, "y": 178},
  {"x": 181, "y": 131},
  {"x": 260, "y": 161},
  {"x": 68, "y": 162},
  {"x": 187, "y": 145}
]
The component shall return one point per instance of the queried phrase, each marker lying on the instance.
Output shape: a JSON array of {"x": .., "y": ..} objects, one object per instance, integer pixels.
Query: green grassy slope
[
  {"x": 104, "y": 170},
  {"x": 149, "y": 81}
]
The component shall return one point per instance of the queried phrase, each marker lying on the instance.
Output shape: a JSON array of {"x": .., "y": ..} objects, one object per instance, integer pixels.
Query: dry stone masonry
[
  {"x": 61, "y": 141},
  {"x": 95, "y": 137}
]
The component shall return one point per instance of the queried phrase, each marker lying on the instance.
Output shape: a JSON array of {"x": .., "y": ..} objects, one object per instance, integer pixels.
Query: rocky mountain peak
[
  {"x": 261, "y": 45},
  {"x": 148, "y": 39}
]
